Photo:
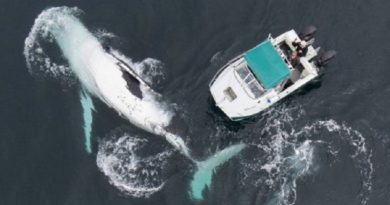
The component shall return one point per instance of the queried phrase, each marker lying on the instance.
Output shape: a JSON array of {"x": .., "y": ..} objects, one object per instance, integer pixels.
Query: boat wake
[
  {"x": 101, "y": 76},
  {"x": 288, "y": 153}
]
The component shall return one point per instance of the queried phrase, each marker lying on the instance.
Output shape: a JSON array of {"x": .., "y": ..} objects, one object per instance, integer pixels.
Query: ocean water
[{"x": 326, "y": 144}]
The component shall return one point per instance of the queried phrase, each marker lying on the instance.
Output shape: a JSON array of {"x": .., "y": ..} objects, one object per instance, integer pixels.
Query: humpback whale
[{"x": 106, "y": 76}]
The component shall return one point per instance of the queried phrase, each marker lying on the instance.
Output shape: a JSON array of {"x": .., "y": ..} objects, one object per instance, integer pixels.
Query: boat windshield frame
[{"x": 248, "y": 81}]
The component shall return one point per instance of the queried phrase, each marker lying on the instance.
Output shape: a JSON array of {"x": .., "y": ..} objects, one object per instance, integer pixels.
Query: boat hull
[{"x": 232, "y": 95}]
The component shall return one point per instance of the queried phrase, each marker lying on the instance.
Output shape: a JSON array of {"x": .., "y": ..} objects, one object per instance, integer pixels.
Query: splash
[
  {"x": 39, "y": 63},
  {"x": 287, "y": 154},
  {"x": 362, "y": 153},
  {"x": 119, "y": 158},
  {"x": 291, "y": 168},
  {"x": 87, "y": 105}
]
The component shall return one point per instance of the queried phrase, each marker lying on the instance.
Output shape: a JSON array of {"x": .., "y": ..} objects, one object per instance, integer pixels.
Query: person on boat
[
  {"x": 300, "y": 47},
  {"x": 294, "y": 59}
]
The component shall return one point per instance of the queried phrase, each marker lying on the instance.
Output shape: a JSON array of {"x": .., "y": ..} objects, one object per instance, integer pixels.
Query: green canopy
[{"x": 267, "y": 65}]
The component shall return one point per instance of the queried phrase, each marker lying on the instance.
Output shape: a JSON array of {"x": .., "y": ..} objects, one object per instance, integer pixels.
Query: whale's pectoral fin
[
  {"x": 205, "y": 170},
  {"x": 87, "y": 107}
]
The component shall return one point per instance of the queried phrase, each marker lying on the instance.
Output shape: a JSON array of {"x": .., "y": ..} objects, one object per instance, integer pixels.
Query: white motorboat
[{"x": 260, "y": 77}]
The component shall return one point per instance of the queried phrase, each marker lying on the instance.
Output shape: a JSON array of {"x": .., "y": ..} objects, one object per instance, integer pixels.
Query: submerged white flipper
[{"x": 87, "y": 106}]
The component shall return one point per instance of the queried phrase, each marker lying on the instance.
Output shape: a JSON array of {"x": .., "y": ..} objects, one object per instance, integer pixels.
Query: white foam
[
  {"x": 362, "y": 155},
  {"x": 38, "y": 62},
  {"x": 102, "y": 34},
  {"x": 288, "y": 153},
  {"x": 139, "y": 177}
]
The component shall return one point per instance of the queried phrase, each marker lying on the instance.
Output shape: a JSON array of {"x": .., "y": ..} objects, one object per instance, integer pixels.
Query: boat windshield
[{"x": 249, "y": 82}]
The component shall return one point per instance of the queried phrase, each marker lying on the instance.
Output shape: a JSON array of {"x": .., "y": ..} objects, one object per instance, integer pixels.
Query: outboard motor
[
  {"x": 325, "y": 58},
  {"x": 307, "y": 33}
]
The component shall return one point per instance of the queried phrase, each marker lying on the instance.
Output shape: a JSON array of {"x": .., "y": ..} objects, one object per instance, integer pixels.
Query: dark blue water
[{"x": 343, "y": 115}]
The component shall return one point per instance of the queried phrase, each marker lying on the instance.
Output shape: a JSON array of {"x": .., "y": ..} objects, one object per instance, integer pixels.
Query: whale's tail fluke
[{"x": 205, "y": 169}]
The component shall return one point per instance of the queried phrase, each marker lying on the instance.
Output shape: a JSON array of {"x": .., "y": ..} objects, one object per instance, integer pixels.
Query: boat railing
[
  {"x": 216, "y": 75},
  {"x": 223, "y": 68}
]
